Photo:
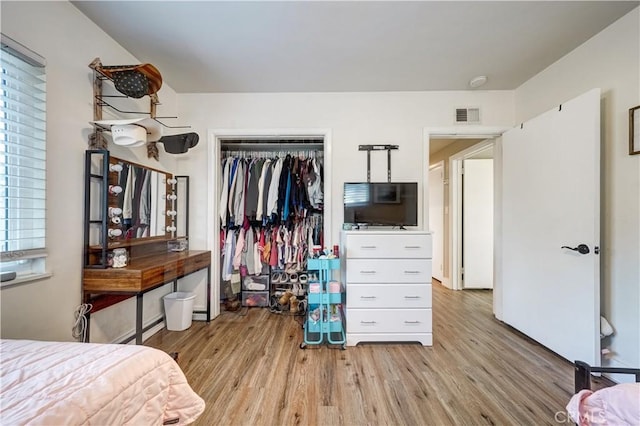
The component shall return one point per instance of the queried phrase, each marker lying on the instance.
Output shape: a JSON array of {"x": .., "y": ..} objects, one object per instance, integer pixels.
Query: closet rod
[{"x": 270, "y": 146}]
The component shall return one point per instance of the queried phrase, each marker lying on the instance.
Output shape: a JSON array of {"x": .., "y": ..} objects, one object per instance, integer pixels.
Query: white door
[
  {"x": 551, "y": 200},
  {"x": 477, "y": 223},
  {"x": 436, "y": 219}
]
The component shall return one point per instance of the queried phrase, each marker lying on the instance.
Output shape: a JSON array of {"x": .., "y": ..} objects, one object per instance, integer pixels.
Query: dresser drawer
[
  {"x": 389, "y": 321},
  {"x": 388, "y": 271},
  {"x": 389, "y": 296},
  {"x": 388, "y": 246}
]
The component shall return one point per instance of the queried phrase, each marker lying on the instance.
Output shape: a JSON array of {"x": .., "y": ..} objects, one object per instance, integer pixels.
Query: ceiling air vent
[{"x": 467, "y": 115}]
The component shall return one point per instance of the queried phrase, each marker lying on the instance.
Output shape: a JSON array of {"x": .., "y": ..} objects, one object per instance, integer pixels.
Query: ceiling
[{"x": 308, "y": 46}]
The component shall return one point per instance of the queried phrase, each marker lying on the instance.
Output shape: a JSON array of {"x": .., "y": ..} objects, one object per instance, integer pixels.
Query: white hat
[
  {"x": 129, "y": 135},
  {"x": 132, "y": 132}
]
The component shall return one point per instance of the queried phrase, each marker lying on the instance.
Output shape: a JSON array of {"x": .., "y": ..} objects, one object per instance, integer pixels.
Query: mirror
[{"x": 138, "y": 201}]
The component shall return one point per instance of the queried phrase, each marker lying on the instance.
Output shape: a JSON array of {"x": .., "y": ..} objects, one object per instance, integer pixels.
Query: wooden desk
[{"x": 141, "y": 275}]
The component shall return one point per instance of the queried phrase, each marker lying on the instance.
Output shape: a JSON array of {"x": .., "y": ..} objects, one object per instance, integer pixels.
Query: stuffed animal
[
  {"x": 284, "y": 299},
  {"x": 293, "y": 304}
]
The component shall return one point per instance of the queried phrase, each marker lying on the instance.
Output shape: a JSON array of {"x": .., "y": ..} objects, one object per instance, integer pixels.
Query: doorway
[
  {"x": 436, "y": 219},
  {"x": 477, "y": 221},
  {"x": 472, "y": 216},
  {"x": 440, "y": 145}
]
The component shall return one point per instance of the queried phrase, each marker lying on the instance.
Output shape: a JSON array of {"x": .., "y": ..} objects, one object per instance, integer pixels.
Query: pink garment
[
  {"x": 613, "y": 406},
  {"x": 273, "y": 258},
  {"x": 237, "y": 257},
  {"x": 261, "y": 241}
]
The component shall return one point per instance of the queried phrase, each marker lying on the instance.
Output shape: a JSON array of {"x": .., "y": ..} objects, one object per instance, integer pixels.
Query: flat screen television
[{"x": 381, "y": 203}]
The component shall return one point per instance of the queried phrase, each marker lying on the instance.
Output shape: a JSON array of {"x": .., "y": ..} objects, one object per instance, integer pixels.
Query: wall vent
[{"x": 467, "y": 115}]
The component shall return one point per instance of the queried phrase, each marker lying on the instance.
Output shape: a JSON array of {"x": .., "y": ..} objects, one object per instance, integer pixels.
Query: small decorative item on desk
[
  {"x": 118, "y": 258},
  {"x": 179, "y": 244}
]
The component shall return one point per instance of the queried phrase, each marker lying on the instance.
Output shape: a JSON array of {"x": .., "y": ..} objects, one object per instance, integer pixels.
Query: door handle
[{"x": 582, "y": 248}]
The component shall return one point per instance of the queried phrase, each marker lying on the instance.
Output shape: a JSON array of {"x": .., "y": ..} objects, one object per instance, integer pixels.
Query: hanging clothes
[
  {"x": 224, "y": 191},
  {"x": 265, "y": 180},
  {"x": 270, "y": 211}
]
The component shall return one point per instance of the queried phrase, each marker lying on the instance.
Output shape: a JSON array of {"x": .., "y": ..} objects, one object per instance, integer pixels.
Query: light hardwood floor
[{"x": 249, "y": 369}]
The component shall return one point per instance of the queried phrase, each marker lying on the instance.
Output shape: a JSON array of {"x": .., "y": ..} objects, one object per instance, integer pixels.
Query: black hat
[
  {"x": 131, "y": 80},
  {"x": 179, "y": 144}
]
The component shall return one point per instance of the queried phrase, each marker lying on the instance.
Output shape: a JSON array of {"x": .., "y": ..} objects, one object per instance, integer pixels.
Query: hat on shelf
[
  {"x": 179, "y": 144},
  {"x": 134, "y": 81},
  {"x": 132, "y": 132}
]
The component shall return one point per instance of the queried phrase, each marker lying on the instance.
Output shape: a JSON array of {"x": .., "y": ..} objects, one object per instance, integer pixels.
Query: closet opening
[{"x": 271, "y": 214}]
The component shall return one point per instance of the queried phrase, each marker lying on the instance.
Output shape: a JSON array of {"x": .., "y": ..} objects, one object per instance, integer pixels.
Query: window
[{"x": 22, "y": 163}]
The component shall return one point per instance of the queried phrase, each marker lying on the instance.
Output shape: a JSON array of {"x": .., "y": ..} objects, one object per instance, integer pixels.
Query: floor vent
[{"x": 467, "y": 115}]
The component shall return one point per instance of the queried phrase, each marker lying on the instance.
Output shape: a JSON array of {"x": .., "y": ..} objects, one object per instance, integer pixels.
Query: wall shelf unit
[{"x": 130, "y": 107}]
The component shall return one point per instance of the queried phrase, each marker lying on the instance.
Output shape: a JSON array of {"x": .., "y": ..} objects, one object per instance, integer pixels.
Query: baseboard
[
  {"x": 153, "y": 330},
  {"x": 199, "y": 317},
  {"x": 147, "y": 334}
]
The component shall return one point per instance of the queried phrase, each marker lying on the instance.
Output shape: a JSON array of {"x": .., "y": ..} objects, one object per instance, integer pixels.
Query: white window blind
[{"x": 22, "y": 160}]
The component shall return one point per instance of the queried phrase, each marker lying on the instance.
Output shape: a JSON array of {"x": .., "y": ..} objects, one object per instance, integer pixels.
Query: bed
[
  {"x": 615, "y": 405},
  {"x": 56, "y": 383}
]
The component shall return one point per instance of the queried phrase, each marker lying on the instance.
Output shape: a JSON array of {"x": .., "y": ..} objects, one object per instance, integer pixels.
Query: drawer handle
[
  {"x": 412, "y": 297},
  {"x": 368, "y": 297},
  {"x": 367, "y": 322},
  {"x": 367, "y": 272},
  {"x": 368, "y": 247},
  {"x": 412, "y": 322},
  {"x": 412, "y": 272},
  {"x": 412, "y": 247}
]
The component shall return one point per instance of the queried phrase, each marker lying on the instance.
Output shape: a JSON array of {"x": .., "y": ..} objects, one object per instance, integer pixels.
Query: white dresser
[{"x": 387, "y": 275}]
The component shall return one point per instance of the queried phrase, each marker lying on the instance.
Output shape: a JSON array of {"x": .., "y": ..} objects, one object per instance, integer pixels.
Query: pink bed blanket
[
  {"x": 55, "y": 383},
  {"x": 617, "y": 405}
]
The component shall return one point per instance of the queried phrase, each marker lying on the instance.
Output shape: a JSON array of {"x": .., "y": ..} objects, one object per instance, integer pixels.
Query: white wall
[
  {"x": 610, "y": 61},
  {"x": 69, "y": 41},
  {"x": 350, "y": 118},
  {"x": 353, "y": 118}
]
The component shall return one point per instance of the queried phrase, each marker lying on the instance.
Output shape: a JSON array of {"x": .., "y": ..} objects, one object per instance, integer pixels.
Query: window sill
[{"x": 25, "y": 279}]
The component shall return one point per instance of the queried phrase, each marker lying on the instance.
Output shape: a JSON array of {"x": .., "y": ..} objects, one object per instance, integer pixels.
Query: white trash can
[{"x": 178, "y": 309}]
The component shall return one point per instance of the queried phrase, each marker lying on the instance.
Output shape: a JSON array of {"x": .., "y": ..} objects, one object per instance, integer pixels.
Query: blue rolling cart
[{"x": 324, "y": 318}]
